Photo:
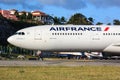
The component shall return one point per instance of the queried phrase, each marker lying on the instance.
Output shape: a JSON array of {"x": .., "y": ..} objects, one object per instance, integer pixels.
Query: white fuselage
[{"x": 69, "y": 38}]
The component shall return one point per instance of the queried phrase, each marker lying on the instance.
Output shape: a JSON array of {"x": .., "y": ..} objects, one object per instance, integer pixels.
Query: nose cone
[{"x": 10, "y": 39}]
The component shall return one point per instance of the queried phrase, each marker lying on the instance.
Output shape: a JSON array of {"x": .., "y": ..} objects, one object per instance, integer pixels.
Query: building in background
[
  {"x": 23, "y": 12},
  {"x": 42, "y": 17},
  {"x": 36, "y": 16},
  {"x": 13, "y": 11},
  {"x": 8, "y": 15}
]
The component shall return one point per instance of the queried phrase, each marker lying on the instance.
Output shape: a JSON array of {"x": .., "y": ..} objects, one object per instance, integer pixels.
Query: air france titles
[{"x": 75, "y": 29}]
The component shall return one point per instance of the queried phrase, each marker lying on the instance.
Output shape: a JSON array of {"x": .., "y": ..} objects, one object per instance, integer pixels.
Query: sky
[{"x": 101, "y": 10}]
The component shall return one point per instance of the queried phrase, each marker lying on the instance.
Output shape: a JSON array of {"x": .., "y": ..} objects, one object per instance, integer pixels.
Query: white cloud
[
  {"x": 11, "y": 2},
  {"x": 67, "y": 4},
  {"x": 105, "y": 3},
  {"x": 25, "y": 4}
]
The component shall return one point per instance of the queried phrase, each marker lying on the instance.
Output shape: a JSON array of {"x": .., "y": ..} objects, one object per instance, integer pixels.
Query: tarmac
[{"x": 61, "y": 62}]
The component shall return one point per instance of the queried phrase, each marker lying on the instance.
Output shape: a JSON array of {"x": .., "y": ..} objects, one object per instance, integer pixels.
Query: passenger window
[{"x": 113, "y": 33}]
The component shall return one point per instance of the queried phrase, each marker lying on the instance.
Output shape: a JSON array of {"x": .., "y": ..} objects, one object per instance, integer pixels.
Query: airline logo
[
  {"x": 106, "y": 29},
  {"x": 78, "y": 29}
]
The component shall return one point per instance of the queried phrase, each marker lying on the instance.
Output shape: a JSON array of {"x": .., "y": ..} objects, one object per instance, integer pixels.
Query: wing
[{"x": 115, "y": 48}]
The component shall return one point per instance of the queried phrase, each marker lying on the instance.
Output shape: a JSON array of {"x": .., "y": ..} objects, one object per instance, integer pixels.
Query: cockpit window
[
  {"x": 23, "y": 33},
  {"x": 19, "y": 33}
]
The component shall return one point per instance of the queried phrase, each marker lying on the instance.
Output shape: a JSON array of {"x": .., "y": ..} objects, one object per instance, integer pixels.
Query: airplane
[{"x": 78, "y": 38}]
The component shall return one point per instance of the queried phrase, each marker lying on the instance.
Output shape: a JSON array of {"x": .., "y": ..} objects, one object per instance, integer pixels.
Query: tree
[
  {"x": 62, "y": 20},
  {"x": 29, "y": 15},
  {"x": 116, "y": 22},
  {"x": 109, "y": 24},
  {"x": 99, "y": 23},
  {"x": 91, "y": 20},
  {"x": 16, "y": 13},
  {"x": 22, "y": 17},
  {"x": 56, "y": 20},
  {"x": 79, "y": 19}
]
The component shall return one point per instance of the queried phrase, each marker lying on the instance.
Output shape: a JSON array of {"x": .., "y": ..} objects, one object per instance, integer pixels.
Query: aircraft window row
[
  {"x": 20, "y": 33},
  {"x": 111, "y": 33},
  {"x": 66, "y": 33}
]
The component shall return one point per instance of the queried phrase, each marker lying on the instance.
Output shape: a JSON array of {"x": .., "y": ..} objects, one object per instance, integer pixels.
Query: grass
[{"x": 60, "y": 73}]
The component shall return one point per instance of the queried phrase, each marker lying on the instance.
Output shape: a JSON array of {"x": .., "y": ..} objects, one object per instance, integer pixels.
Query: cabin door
[
  {"x": 38, "y": 35},
  {"x": 95, "y": 36}
]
